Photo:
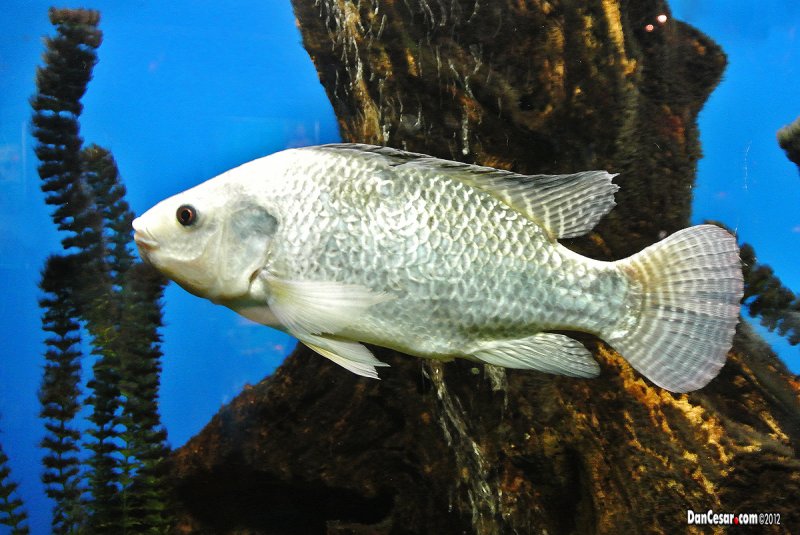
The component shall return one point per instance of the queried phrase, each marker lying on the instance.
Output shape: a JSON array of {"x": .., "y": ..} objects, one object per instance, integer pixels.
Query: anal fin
[{"x": 546, "y": 352}]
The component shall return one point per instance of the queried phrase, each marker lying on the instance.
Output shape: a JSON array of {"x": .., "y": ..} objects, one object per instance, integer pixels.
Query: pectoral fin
[
  {"x": 316, "y": 307},
  {"x": 546, "y": 352},
  {"x": 312, "y": 310},
  {"x": 350, "y": 355}
]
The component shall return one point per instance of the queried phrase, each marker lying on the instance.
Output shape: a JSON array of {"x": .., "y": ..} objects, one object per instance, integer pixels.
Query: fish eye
[{"x": 187, "y": 215}]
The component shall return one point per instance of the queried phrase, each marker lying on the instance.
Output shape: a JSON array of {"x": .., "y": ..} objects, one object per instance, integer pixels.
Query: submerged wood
[{"x": 537, "y": 87}]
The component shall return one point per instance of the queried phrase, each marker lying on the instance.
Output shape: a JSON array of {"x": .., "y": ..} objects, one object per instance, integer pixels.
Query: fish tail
[{"x": 687, "y": 291}]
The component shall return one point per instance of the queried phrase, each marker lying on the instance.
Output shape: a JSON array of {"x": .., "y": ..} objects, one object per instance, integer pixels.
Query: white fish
[{"x": 343, "y": 244}]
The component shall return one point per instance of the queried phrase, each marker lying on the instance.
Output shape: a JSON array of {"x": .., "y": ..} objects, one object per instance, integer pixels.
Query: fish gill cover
[{"x": 538, "y": 87}]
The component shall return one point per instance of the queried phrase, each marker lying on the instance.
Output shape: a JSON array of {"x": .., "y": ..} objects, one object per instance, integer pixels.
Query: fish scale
[
  {"x": 346, "y": 244},
  {"x": 460, "y": 273}
]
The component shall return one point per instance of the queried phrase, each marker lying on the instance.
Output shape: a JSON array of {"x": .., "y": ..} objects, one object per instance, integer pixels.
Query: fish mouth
[
  {"x": 144, "y": 240},
  {"x": 144, "y": 244}
]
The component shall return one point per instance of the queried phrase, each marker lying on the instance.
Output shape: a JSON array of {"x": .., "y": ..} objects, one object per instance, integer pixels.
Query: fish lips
[{"x": 145, "y": 241}]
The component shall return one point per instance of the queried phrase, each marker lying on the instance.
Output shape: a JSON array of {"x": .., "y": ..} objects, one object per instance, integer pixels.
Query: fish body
[{"x": 343, "y": 244}]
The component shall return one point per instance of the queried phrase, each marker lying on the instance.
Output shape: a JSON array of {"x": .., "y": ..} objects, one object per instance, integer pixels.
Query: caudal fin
[{"x": 690, "y": 286}]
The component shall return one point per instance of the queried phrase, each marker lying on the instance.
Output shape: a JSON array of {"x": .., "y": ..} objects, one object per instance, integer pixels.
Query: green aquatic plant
[
  {"x": 128, "y": 439},
  {"x": 98, "y": 287},
  {"x": 789, "y": 140},
  {"x": 765, "y": 296},
  {"x": 60, "y": 392},
  {"x": 12, "y": 513}
]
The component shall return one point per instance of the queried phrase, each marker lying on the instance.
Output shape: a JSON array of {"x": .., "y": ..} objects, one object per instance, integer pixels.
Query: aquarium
[{"x": 131, "y": 401}]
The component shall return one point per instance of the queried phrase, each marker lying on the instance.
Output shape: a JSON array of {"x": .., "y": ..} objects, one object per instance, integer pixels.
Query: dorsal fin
[{"x": 565, "y": 205}]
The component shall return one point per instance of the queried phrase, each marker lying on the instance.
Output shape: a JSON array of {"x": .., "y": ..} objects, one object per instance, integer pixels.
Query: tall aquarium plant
[
  {"x": 12, "y": 513},
  {"x": 110, "y": 478}
]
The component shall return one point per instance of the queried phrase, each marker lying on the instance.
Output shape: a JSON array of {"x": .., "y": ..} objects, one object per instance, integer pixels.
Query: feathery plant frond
[
  {"x": 12, "y": 513},
  {"x": 98, "y": 287}
]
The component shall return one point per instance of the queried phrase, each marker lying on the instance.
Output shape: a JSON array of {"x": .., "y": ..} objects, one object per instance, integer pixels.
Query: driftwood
[{"x": 538, "y": 86}]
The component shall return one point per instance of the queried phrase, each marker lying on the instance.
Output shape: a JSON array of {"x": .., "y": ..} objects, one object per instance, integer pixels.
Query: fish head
[{"x": 212, "y": 240}]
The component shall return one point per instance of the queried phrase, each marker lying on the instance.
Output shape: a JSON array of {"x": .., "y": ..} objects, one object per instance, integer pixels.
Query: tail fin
[{"x": 690, "y": 286}]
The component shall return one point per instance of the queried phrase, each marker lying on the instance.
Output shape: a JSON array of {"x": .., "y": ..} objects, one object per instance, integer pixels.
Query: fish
[{"x": 343, "y": 245}]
